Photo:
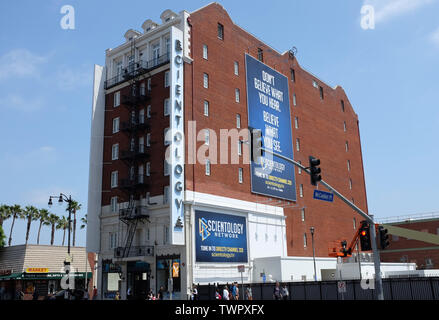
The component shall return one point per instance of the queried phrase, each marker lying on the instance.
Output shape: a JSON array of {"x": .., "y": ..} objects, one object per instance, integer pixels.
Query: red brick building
[
  {"x": 425, "y": 255},
  {"x": 131, "y": 191}
]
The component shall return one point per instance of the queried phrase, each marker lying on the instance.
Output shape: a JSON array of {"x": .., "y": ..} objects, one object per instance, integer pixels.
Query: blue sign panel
[
  {"x": 220, "y": 237},
  {"x": 269, "y": 110},
  {"x": 322, "y": 195}
]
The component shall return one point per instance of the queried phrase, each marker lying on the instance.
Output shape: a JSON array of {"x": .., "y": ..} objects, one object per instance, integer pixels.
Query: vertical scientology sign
[
  {"x": 269, "y": 110},
  {"x": 175, "y": 153}
]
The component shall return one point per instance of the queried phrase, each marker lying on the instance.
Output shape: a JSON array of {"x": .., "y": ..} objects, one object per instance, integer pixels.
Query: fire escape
[{"x": 137, "y": 155}]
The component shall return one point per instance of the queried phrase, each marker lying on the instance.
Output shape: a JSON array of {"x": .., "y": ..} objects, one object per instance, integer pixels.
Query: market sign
[
  {"x": 37, "y": 270},
  {"x": 175, "y": 269}
]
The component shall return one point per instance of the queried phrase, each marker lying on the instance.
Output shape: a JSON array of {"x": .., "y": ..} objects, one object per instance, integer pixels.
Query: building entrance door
[{"x": 139, "y": 273}]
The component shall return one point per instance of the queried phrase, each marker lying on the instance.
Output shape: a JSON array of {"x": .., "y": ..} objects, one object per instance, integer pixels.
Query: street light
[
  {"x": 313, "y": 252},
  {"x": 61, "y": 198}
]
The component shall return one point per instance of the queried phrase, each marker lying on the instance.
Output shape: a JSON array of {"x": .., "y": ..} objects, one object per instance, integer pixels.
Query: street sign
[
  {"x": 341, "y": 286},
  {"x": 322, "y": 195},
  {"x": 241, "y": 268}
]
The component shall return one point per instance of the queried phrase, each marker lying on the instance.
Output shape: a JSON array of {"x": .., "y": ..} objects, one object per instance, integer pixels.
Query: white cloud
[
  {"x": 17, "y": 102},
  {"x": 69, "y": 78},
  {"x": 20, "y": 63},
  {"x": 434, "y": 37},
  {"x": 388, "y": 9}
]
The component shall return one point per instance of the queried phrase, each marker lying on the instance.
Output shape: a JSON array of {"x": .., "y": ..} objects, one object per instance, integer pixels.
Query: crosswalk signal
[
  {"x": 315, "y": 170},
  {"x": 365, "y": 241},
  {"x": 256, "y": 145},
  {"x": 384, "y": 237}
]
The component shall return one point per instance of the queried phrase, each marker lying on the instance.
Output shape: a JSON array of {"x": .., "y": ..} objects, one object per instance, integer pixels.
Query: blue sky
[{"x": 389, "y": 74}]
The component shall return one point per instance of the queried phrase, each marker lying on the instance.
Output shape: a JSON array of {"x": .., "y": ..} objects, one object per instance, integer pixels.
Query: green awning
[{"x": 12, "y": 276}]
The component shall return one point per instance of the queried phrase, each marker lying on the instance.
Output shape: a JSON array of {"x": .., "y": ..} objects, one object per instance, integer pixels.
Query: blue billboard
[
  {"x": 268, "y": 104},
  {"x": 220, "y": 237}
]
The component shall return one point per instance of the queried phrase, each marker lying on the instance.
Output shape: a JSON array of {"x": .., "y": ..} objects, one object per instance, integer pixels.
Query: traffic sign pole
[{"x": 369, "y": 218}]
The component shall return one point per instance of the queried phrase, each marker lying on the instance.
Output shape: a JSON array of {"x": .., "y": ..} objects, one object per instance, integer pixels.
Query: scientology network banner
[
  {"x": 220, "y": 237},
  {"x": 269, "y": 110}
]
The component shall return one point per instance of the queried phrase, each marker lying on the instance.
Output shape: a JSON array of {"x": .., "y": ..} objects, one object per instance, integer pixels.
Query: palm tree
[
  {"x": 84, "y": 221},
  {"x": 52, "y": 220},
  {"x": 17, "y": 212},
  {"x": 43, "y": 215},
  {"x": 74, "y": 206},
  {"x": 63, "y": 223},
  {"x": 30, "y": 213},
  {"x": 5, "y": 213}
]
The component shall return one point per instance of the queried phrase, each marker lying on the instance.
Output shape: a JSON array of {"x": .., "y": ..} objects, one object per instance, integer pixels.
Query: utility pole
[{"x": 369, "y": 218}]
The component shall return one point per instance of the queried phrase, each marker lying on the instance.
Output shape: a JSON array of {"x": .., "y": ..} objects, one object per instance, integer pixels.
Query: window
[
  {"x": 240, "y": 175},
  {"x": 220, "y": 31},
  {"x": 115, "y": 152},
  {"x": 148, "y": 139},
  {"x": 148, "y": 169},
  {"x": 236, "y": 68},
  {"x": 113, "y": 204},
  {"x": 239, "y": 148},
  {"x": 166, "y": 107},
  {"x": 165, "y": 136},
  {"x": 355, "y": 224},
  {"x": 148, "y": 112},
  {"x": 296, "y": 122},
  {"x": 207, "y": 167},
  {"x": 142, "y": 89},
  {"x": 148, "y": 234},
  {"x": 321, "y": 93},
  {"x": 347, "y": 146},
  {"x": 113, "y": 240},
  {"x": 165, "y": 168},
  {"x": 237, "y": 95},
  {"x": 148, "y": 84},
  {"x": 344, "y": 126},
  {"x": 206, "y": 108},
  {"x": 140, "y": 172},
  {"x": 294, "y": 99},
  {"x": 206, "y": 80},
  {"x": 302, "y": 214},
  {"x": 349, "y": 165},
  {"x": 204, "y": 51},
  {"x": 166, "y": 195},
  {"x": 350, "y": 184},
  {"x": 315, "y": 84},
  {"x": 116, "y": 99},
  {"x": 167, "y": 79},
  {"x": 305, "y": 242},
  {"x": 301, "y": 190},
  {"x": 168, "y": 47},
  {"x": 238, "y": 121},
  {"x": 142, "y": 116},
  {"x": 116, "y": 125},
  {"x": 114, "y": 178},
  {"x": 293, "y": 75},
  {"x": 206, "y": 137},
  {"x": 165, "y": 234},
  {"x": 342, "y": 105},
  {"x": 260, "y": 55},
  {"x": 297, "y": 144},
  {"x": 299, "y": 170}
]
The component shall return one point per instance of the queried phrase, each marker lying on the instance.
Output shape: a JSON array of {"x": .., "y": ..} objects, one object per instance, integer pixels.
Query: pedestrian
[
  {"x": 86, "y": 296},
  {"x": 117, "y": 296},
  {"x": 276, "y": 293},
  {"x": 248, "y": 293},
  {"x": 284, "y": 292},
  {"x": 150, "y": 295},
  {"x": 129, "y": 293},
  {"x": 217, "y": 294},
  {"x": 161, "y": 293},
  {"x": 35, "y": 294},
  {"x": 225, "y": 293},
  {"x": 95, "y": 293},
  {"x": 195, "y": 292},
  {"x": 236, "y": 291}
]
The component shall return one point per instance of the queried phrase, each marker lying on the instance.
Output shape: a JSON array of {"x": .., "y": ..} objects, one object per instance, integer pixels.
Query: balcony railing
[
  {"x": 137, "y": 212},
  {"x": 139, "y": 151},
  {"x": 134, "y": 124},
  {"x": 134, "y": 251},
  {"x": 137, "y": 181},
  {"x": 136, "y": 69}
]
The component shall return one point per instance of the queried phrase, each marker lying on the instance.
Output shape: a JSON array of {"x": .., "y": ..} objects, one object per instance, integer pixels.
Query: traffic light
[
  {"x": 365, "y": 241},
  {"x": 384, "y": 237},
  {"x": 315, "y": 170},
  {"x": 256, "y": 145}
]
